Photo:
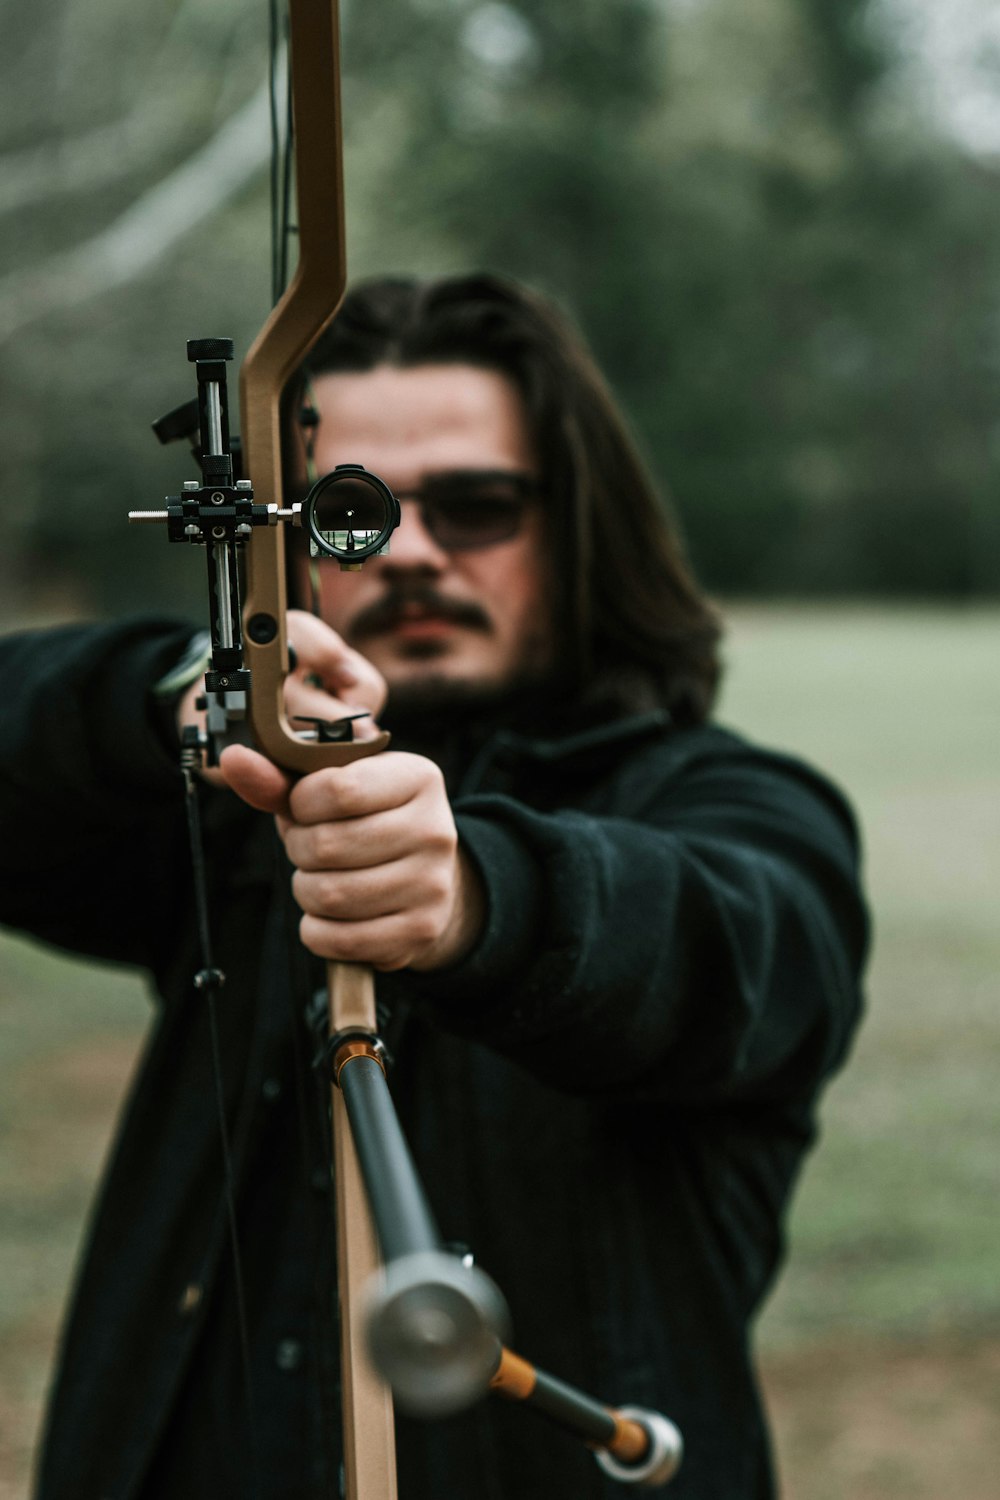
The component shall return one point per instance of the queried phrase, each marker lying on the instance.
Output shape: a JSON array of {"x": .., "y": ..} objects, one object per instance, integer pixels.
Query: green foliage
[
  {"x": 848, "y": 57},
  {"x": 790, "y": 276},
  {"x": 790, "y": 300}
]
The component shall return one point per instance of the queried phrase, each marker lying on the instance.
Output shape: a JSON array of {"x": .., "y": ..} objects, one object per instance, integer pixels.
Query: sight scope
[{"x": 350, "y": 514}]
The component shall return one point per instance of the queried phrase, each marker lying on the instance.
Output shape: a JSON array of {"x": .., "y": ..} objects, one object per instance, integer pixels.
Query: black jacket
[{"x": 608, "y": 1100}]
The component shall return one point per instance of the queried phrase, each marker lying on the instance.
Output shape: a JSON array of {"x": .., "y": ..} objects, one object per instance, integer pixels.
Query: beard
[
  {"x": 438, "y": 693},
  {"x": 450, "y": 721}
]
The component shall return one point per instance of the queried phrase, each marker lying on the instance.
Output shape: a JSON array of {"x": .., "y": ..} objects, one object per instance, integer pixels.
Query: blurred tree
[
  {"x": 790, "y": 277},
  {"x": 764, "y": 261},
  {"x": 849, "y": 56},
  {"x": 103, "y": 109}
]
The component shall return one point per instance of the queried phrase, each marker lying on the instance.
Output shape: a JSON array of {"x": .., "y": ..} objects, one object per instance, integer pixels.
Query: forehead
[{"x": 421, "y": 419}]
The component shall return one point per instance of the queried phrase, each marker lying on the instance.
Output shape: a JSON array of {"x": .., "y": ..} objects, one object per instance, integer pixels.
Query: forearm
[
  {"x": 708, "y": 951},
  {"x": 86, "y": 781},
  {"x": 77, "y": 712}
]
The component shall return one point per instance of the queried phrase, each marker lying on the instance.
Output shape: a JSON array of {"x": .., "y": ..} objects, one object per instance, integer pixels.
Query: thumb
[{"x": 256, "y": 779}]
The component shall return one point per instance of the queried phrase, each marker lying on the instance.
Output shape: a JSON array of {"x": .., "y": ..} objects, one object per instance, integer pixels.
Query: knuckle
[
  {"x": 437, "y": 885},
  {"x": 441, "y": 838},
  {"x": 389, "y": 963},
  {"x": 342, "y": 946},
  {"x": 318, "y": 893},
  {"x": 328, "y": 939},
  {"x": 423, "y": 774},
  {"x": 324, "y": 845},
  {"x": 424, "y": 926},
  {"x": 346, "y": 785},
  {"x": 433, "y": 775},
  {"x": 329, "y": 893}
]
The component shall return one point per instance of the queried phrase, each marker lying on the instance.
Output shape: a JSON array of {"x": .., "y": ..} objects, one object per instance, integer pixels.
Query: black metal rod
[
  {"x": 572, "y": 1410},
  {"x": 402, "y": 1216},
  {"x": 632, "y": 1444},
  {"x": 433, "y": 1322}
]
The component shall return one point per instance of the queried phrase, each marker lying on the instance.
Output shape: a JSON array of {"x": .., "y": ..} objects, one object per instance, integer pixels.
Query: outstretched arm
[
  {"x": 700, "y": 935},
  {"x": 91, "y": 826}
]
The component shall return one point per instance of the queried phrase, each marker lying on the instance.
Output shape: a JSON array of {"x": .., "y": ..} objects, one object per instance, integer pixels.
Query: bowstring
[
  {"x": 282, "y": 140},
  {"x": 308, "y": 418},
  {"x": 208, "y": 981}
]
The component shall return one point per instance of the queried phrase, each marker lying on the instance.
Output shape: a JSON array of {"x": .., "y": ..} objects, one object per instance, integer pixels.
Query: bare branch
[
  {"x": 84, "y": 162},
  {"x": 147, "y": 230}
]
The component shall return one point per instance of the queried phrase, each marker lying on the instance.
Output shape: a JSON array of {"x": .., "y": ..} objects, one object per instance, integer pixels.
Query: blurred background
[{"x": 778, "y": 222}]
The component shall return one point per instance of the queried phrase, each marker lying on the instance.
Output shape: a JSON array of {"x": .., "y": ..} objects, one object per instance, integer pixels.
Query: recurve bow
[{"x": 435, "y": 1323}]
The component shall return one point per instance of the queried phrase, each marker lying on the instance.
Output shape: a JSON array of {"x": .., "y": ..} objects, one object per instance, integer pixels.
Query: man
[{"x": 617, "y": 948}]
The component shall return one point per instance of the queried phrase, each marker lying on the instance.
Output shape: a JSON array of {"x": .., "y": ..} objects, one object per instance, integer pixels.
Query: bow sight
[{"x": 349, "y": 514}]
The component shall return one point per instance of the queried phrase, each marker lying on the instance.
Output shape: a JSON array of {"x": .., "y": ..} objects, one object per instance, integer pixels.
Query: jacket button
[
  {"x": 271, "y": 1089},
  {"x": 190, "y": 1298},
  {"x": 288, "y": 1355}
]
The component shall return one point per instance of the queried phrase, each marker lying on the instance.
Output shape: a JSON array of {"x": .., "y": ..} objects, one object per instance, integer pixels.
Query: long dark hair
[{"x": 631, "y": 610}]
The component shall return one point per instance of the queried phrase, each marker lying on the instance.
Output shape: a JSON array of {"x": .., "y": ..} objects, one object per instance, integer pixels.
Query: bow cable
[
  {"x": 208, "y": 981},
  {"x": 282, "y": 145}
]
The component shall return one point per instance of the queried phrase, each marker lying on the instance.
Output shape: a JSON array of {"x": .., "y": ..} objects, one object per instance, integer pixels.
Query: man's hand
[
  {"x": 330, "y": 681},
  {"x": 379, "y": 873}
]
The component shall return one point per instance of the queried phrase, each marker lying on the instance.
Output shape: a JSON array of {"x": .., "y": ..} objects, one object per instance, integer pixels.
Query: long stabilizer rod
[
  {"x": 631, "y": 1444},
  {"x": 436, "y": 1324}
]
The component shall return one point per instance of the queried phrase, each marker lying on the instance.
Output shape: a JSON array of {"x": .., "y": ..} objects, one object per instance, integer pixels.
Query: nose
[{"x": 411, "y": 547}]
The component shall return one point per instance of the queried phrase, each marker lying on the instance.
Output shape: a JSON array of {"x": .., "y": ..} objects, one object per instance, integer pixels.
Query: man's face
[{"x": 427, "y": 615}]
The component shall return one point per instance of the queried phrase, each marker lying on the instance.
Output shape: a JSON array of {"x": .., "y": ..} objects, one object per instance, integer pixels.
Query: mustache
[{"x": 400, "y": 599}]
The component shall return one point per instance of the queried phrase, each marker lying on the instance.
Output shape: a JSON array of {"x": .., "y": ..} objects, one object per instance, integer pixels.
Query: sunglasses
[{"x": 468, "y": 508}]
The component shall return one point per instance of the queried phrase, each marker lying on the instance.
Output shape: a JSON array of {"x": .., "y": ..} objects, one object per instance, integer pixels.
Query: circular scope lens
[{"x": 350, "y": 513}]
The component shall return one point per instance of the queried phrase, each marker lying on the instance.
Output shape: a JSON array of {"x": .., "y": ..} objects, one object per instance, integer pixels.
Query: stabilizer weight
[{"x": 660, "y": 1464}]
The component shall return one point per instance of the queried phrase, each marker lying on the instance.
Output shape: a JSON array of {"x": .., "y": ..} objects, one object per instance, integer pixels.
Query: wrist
[{"x": 468, "y": 918}]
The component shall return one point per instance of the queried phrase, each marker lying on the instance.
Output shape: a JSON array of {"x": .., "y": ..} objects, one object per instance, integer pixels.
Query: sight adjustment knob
[{"x": 209, "y": 349}]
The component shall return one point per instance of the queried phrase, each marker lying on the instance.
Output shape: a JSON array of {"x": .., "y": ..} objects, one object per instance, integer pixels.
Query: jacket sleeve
[
  {"x": 703, "y": 945},
  {"x": 91, "y": 818}
]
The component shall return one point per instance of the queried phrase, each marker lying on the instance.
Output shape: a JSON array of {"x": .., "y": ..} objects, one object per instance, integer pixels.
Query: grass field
[
  {"x": 882, "y": 1344},
  {"x": 881, "y": 1347}
]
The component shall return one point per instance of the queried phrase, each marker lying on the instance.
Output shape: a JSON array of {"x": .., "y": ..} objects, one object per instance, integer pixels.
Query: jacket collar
[{"x": 575, "y": 746}]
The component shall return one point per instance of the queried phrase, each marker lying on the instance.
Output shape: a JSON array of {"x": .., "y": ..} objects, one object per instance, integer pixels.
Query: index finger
[
  {"x": 375, "y": 784},
  {"x": 255, "y": 778},
  {"x": 319, "y": 649}
]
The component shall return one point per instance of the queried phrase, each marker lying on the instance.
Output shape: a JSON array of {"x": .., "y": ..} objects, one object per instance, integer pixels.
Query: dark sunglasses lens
[{"x": 458, "y": 522}]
